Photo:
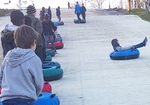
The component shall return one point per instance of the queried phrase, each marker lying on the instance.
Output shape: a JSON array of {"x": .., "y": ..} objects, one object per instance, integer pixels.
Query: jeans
[
  {"x": 139, "y": 45},
  {"x": 83, "y": 16},
  {"x": 78, "y": 16},
  {"x": 18, "y": 101},
  {"x": 49, "y": 39}
]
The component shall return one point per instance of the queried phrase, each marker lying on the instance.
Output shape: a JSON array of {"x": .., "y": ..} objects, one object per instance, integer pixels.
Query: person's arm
[
  {"x": 75, "y": 10},
  {"x": 54, "y": 27},
  {"x": 37, "y": 73},
  {"x": 38, "y": 26},
  {"x": 85, "y": 9},
  {"x": 1, "y": 72}
]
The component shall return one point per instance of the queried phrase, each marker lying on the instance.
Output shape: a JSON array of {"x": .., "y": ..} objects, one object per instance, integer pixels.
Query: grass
[
  {"x": 142, "y": 13},
  {"x": 4, "y": 12}
]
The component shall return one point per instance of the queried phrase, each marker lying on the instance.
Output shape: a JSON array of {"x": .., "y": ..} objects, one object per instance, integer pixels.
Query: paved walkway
[{"x": 90, "y": 76}]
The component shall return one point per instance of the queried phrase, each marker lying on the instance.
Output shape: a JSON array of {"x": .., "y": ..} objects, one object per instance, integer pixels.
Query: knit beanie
[{"x": 30, "y": 9}]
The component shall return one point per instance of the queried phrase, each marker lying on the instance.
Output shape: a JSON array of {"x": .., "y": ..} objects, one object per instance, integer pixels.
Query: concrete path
[{"x": 90, "y": 76}]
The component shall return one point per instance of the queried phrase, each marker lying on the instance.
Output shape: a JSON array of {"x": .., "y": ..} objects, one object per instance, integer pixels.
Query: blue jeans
[
  {"x": 49, "y": 39},
  {"x": 139, "y": 45},
  {"x": 18, "y": 101}
]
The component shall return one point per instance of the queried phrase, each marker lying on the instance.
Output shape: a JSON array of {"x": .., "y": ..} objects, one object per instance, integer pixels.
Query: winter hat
[
  {"x": 16, "y": 17},
  {"x": 46, "y": 16},
  {"x": 115, "y": 44},
  {"x": 30, "y": 9}
]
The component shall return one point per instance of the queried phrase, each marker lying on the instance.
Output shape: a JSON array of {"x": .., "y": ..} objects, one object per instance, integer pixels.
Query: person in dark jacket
[
  {"x": 117, "y": 47},
  {"x": 48, "y": 31},
  {"x": 58, "y": 13},
  {"x": 83, "y": 11},
  {"x": 37, "y": 25},
  {"x": 7, "y": 35},
  {"x": 78, "y": 10},
  {"x": 49, "y": 12},
  {"x": 42, "y": 12}
]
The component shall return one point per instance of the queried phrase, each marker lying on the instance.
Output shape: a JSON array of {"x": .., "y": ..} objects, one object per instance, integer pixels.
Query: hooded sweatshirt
[
  {"x": 21, "y": 75},
  {"x": 7, "y": 38}
]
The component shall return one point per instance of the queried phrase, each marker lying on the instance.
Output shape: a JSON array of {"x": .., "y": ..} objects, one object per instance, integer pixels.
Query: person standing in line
[
  {"x": 7, "y": 35},
  {"x": 42, "y": 12},
  {"x": 37, "y": 25},
  {"x": 48, "y": 31},
  {"x": 83, "y": 11},
  {"x": 58, "y": 13},
  {"x": 78, "y": 10},
  {"x": 21, "y": 74},
  {"x": 49, "y": 12}
]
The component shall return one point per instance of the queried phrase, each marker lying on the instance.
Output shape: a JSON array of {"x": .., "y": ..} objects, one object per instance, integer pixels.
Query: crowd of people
[{"x": 24, "y": 43}]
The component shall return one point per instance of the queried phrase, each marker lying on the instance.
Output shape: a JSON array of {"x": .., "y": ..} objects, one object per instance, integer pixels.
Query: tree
[{"x": 96, "y": 3}]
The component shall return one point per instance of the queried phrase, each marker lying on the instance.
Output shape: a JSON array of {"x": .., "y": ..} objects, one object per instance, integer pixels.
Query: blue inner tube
[
  {"x": 46, "y": 98},
  {"x": 58, "y": 23},
  {"x": 125, "y": 54},
  {"x": 48, "y": 64}
]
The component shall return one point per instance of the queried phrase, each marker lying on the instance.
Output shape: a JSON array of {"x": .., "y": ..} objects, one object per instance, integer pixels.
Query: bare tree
[{"x": 96, "y": 3}]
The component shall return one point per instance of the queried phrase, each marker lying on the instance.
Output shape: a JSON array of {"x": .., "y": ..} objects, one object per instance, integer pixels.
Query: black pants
[
  {"x": 78, "y": 16},
  {"x": 83, "y": 16},
  {"x": 40, "y": 52}
]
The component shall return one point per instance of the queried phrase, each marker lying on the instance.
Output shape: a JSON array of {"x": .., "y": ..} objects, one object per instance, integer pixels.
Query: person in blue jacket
[
  {"x": 117, "y": 47},
  {"x": 78, "y": 10}
]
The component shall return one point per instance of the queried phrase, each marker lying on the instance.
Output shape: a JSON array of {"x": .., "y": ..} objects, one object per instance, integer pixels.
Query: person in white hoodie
[
  {"x": 21, "y": 74},
  {"x": 7, "y": 35}
]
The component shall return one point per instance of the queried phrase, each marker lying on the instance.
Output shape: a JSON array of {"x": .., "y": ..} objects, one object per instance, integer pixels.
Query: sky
[
  {"x": 38, "y": 3},
  {"x": 52, "y": 3}
]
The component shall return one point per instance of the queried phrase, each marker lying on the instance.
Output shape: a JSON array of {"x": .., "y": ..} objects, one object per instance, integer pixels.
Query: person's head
[
  {"x": 58, "y": 7},
  {"x": 17, "y": 17},
  {"x": 46, "y": 17},
  {"x": 77, "y": 2},
  {"x": 31, "y": 10},
  {"x": 115, "y": 44},
  {"x": 82, "y": 4},
  {"x": 28, "y": 20},
  {"x": 25, "y": 37},
  {"x": 49, "y": 7},
  {"x": 43, "y": 9}
]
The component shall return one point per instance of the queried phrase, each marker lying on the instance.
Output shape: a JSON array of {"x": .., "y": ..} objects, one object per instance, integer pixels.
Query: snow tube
[
  {"x": 50, "y": 52},
  {"x": 58, "y": 38},
  {"x": 59, "y": 23},
  {"x": 47, "y": 64},
  {"x": 58, "y": 45},
  {"x": 52, "y": 73},
  {"x": 125, "y": 54},
  {"x": 47, "y": 87},
  {"x": 77, "y": 21},
  {"x": 47, "y": 99},
  {"x": 48, "y": 58}
]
